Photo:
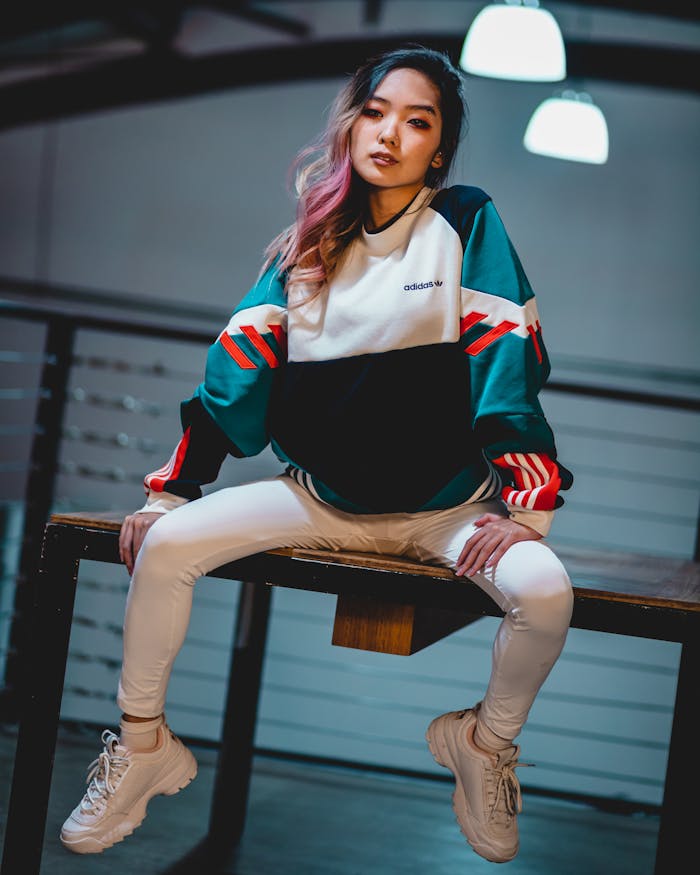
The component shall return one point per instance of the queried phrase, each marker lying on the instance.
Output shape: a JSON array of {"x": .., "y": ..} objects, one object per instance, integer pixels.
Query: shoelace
[
  {"x": 507, "y": 784},
  {"x": 104, "y": 774},
  {"x": 508, "y": 790}
]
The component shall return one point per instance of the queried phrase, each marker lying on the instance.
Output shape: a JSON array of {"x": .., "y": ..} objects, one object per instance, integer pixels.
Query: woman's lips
[{"x": 383, "y": 160}]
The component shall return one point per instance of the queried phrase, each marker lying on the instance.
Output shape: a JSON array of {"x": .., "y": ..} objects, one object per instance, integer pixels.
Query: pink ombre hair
[
  {"x": 329, "y": 206},
  {"x": 331, "y": 196}
]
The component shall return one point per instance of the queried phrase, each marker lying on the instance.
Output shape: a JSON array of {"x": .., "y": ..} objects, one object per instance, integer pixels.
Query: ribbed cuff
[
  {"x": 161, "y": 502},
  {"x": 539, "y": 520}
]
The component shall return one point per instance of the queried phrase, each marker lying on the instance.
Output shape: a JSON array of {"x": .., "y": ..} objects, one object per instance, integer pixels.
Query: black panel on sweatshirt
[{"x": 379, "y": 429}]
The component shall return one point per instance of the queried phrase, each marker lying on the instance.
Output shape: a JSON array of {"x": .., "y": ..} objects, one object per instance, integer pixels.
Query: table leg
[
  {"x": 677, "y": 830},
  {"x": 44, "y": 666},
  {"x": 232, "y": 780},
  {"x": 230, "y": 799}
]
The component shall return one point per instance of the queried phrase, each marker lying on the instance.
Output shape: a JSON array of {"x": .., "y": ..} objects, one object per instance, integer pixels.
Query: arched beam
[{"x": 152, "y": 78}]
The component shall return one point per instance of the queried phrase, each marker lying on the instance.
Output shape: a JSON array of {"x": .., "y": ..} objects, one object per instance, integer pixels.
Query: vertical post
[
  {"x": 230, "y": 798},
  {"x": 44, "y": 673},
  {"x": 676, "y": 843},
  {"x": 58, "y": 354}
]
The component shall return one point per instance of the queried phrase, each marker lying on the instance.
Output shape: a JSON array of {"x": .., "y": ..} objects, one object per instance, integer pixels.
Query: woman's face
[{"x": 396, "y": 138}]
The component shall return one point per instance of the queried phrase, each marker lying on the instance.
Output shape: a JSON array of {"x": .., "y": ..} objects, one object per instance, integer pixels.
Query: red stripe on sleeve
[
  {"x": 280, "y": 337},
  {"x": 181, "y": 453},
  {"x": 533, "y": 334},
  {"x": 172, "y": 470},
  {"x": 235, "y": 352},
  {"x": 537, "y": 480},
  {"x": 262, "y": 346},
  {"x": 470, "y": 319},
  {"x": 490, "y": 336}
]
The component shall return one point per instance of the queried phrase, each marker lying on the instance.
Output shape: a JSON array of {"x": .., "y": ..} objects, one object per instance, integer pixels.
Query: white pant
[{"x": 529, "y": 583}]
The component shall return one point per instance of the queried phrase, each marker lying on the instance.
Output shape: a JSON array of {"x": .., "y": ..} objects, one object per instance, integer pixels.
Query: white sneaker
[
  {"x": 487, "y": 798},
  {"x": 120, "y": 784}
]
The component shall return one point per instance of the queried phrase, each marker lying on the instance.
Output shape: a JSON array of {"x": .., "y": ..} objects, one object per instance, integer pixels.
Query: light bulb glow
[
  {"x": 515, "y": 42},
  {"x": 571, "y": 128}
]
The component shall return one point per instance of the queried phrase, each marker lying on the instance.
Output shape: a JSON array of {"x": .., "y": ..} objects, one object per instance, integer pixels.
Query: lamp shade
[
  {"x": 514, "y": 42},
  {"x": 570, "y": 127}
]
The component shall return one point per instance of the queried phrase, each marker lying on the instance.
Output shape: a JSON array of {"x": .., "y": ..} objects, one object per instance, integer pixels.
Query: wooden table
[{"x": 385, "y": 604}]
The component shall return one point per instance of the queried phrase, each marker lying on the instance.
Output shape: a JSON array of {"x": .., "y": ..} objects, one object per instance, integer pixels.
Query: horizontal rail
[
  {"x": 165, "y": 332},
  {"x": 654, "y": 399},
  {"x": 103, "y": 323}
]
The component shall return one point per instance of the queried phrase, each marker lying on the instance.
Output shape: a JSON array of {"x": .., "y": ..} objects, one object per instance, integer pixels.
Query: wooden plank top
[
  {"x": 613, "y": 576},
  {"x": 110, "y": 521}
]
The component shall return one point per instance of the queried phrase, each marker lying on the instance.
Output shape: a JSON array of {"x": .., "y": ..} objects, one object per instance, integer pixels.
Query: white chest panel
[{"x": 396, "y": 289}]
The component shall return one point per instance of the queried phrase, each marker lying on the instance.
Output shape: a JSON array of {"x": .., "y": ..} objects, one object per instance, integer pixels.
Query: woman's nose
[{"x": 388, "y": 134}]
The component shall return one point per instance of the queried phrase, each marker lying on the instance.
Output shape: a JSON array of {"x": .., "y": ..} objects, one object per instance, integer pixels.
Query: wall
[{"x": 175, "y": 202}]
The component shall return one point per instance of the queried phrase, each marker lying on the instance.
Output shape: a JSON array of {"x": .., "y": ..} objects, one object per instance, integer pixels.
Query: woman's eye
[
  {"x": 419, "y": 123},
  {"x": 372, "y": 113}
]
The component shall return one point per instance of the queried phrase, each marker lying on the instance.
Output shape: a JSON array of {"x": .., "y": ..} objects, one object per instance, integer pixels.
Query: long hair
[{"x": 331, "y": 196}]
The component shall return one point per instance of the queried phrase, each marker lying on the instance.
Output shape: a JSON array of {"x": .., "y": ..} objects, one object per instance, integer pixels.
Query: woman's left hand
[{"x": 494, "y": 535}]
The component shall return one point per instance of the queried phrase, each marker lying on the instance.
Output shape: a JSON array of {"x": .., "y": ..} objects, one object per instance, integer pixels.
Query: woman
[{"x": 405, "y": 411}]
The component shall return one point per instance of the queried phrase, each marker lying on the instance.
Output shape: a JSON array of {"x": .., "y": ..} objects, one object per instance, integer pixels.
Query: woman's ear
[{"x": 437, "y": 160}]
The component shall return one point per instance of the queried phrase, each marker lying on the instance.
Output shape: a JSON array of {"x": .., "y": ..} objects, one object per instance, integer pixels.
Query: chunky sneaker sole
[
  {"x": 176, "y": 772},
  {"x": 441, "y": 743}
]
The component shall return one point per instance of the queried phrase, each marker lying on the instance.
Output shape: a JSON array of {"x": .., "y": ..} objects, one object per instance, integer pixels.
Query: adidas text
[{"x": 428, "y": 285}]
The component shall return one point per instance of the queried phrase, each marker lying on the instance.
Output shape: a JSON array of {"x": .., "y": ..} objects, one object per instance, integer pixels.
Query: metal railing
[{"x": 59, "y": 357}]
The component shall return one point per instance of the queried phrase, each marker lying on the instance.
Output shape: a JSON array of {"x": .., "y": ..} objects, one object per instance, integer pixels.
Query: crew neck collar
[
  {"x": 389, "y": 235},
  {"x": 395, "y": 217}
]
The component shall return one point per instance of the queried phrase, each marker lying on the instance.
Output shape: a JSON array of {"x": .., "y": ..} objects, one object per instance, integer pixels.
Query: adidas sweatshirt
[{"x": 410, "y": 384}]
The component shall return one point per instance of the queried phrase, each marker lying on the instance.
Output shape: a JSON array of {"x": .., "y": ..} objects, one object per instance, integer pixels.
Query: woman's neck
[{"x": 384, "y": 204}]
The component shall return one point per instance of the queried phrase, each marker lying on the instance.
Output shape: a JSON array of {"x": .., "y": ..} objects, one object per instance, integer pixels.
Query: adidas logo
[{"x": 428, "y": 285}]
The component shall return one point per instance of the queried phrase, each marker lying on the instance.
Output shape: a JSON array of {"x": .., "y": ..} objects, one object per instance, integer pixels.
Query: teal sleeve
[
  {"x": 242, "y": 365},
  {"x": 490, "y": 262},
  {"x": 503, "y": 339}
]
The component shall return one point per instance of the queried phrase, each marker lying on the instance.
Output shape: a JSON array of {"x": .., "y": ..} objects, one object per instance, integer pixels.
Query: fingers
[
  {"x": 471, "y": 546},
  {"x": 139, "y": 537},
  {"x": 131, "y": 537},
  {"x": 131, "y": 546},
  {"x": 487, "y": 518},
  {"x": 485, "y": 548},
  {"x": 498, "y": 553},
  {"x": 480, "y": 551},
  {"x": 126, "y": 537}
]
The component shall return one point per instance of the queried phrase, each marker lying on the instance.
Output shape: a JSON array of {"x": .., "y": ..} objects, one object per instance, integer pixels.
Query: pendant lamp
[
  {"x": 515, "y": 40},
  {"x": 570, "y": 126}
]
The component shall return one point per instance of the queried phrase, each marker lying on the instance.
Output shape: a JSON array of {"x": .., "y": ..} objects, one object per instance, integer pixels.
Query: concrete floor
[{"x": 317, "y": 820}]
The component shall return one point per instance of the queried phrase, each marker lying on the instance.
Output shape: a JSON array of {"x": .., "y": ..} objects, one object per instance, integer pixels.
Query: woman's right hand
[{"x": 133, "y": 531}]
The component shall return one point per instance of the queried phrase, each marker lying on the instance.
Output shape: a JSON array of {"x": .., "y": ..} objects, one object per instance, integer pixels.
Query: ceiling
[{"x": 80, "y": 56}]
